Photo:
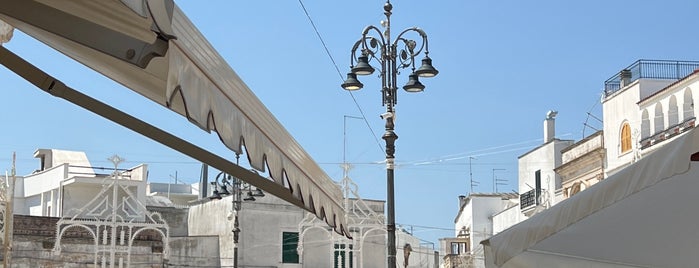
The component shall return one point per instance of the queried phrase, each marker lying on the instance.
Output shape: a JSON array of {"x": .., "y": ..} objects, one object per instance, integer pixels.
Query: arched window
[
  {"x": 688, "y": 105},
  {"x": 645, "y": 124},
  {"x": 625, "y": 138},
  {"x": 673, "y": 117},
  {"x": 658, "y": 119}
]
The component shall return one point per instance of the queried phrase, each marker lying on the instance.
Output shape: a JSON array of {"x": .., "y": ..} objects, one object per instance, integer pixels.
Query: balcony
[
  {"x": 668, "y": 133},
  {"x": 650, "y": 69},
  {"x": 527, "y": 200}
]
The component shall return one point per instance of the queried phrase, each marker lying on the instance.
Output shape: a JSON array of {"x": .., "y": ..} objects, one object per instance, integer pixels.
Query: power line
[{"x": 327, "y": 51}]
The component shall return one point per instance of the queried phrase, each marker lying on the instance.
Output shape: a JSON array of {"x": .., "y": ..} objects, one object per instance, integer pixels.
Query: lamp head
[
  {"x": 351, "y": 83},
  {"x": 249, "y": 197},
  {"x": 426, "y": 70},
  {"x": 224, "y": 190},
  {"x": 215, "y": 195},
  {"x": 363, "y": 67},
  {"x": 414, "y": 84},
  {"x": 258, "y": 193}
]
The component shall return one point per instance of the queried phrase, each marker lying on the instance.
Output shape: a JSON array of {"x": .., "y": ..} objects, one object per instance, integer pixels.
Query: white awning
[
  {"x": 151, "y": 47},
  {"x": 643, "y": 216}
]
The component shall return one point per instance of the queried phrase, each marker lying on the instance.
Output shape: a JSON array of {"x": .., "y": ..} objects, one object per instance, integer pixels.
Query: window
[
  {"x": 537, "y": 184},
  {"x": 575, "y": 189},
  {"x": 340, "y": 258},
  {"x": 459, "y": 248},
  {"x": 625, "y": 138},
  {"x": 290, "y": 241}
]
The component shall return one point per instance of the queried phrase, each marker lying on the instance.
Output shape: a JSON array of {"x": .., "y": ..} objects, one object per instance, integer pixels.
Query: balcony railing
[
  {"x": 668, "y": 133},
  {"x": 651, "y": 69},
  {"x": 527, "y": 199}
]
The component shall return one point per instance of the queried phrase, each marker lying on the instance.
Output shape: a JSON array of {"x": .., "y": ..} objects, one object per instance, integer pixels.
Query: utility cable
[{"x": 327, "y": 51}]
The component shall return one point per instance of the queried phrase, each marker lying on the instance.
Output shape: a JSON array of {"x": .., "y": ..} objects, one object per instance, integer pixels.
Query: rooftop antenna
[{"x": 470, "y": 172}]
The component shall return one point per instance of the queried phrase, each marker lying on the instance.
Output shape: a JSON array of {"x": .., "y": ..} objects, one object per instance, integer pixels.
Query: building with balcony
[
  {"x": 645, "y": 104},
  {"x": 647, "y": 157},
  {"x": 537, "y": 180}
]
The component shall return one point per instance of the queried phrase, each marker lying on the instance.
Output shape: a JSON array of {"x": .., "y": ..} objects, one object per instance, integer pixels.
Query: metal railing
[
  {"x": 651, "y": 69},
  {"x": 527, "y": 199}
]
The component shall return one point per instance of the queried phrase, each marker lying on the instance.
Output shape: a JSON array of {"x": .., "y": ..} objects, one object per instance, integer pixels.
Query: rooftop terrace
[{"x": 649, "y": 69}]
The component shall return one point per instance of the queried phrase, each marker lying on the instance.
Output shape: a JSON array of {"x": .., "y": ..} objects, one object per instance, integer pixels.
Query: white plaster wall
[
  {"x": 507, "y": 218},
  {"x": 317, "y": 248},
  {"x": 483, "y": 209},
  {"x": 617, "y": 109},
  {"x": 623, "y": 107},
  {"x": 45, "y": 181},
  {"x": 261, "y": 222},
  {"x": 374, "y": 249},
  {"x": 464, "y": 218},
  {"x": 651, "y": 86},
  {"x": 422, "y": 257}
]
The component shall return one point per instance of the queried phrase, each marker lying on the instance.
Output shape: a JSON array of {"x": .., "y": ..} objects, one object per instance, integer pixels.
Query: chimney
[
  {"x": 462, "y": 200},
  {"x": 550, "y": 126},
  {"x": 625, "y": 78}
]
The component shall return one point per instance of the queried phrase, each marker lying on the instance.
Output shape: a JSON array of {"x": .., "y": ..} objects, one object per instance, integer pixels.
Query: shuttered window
[
  {"x": 625, "y": 138},
  {"x": 290, "y": 241}
]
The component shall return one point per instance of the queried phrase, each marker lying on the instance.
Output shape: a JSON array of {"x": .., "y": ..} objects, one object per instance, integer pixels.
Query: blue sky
[{"x": 503, "y": 65}]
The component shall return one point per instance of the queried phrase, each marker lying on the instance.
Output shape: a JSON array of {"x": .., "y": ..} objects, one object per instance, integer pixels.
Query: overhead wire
[{"x": 327, "y": 51}]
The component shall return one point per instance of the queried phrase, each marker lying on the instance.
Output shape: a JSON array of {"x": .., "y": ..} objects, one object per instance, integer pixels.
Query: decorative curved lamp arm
[{"x": 408, "y": 51}]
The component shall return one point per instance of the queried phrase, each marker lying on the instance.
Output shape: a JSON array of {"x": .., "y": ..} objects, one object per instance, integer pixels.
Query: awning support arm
[
  {"x": 92, "y": 35},
  {"x": 56, "y": 88}
]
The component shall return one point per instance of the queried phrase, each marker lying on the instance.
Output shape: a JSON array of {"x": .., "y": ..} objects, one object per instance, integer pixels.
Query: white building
[
  {"x": 481, "y": 216},
  {"x": 537, "y": 180},
  {"x": 65, "y": 181},
  {"x": 472, "y": 224},
  {"x": 274, "y": 233},
  {"x": 645, "y": 104}
]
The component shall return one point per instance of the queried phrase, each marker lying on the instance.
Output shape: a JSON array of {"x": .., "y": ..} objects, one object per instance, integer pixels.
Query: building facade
[
  {"x": 645, "y": 104},
  {"x": 582, "y": 165},
  {"x": 473, "y": 223},
  {"x": 537, "y": 180}
]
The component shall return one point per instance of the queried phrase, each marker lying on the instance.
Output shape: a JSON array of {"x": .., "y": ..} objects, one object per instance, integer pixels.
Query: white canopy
[
  {"x": 151, "y": 47},
  {"x": 645, "y": 215}
]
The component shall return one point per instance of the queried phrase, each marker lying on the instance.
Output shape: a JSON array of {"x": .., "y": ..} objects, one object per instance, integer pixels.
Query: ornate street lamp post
[
  {"x": 392, "y": 55},
  {"x": 226, "y": 184}
]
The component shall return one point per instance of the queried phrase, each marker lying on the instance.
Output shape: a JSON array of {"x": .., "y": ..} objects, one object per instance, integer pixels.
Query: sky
[{"x": 502, "y": 65}]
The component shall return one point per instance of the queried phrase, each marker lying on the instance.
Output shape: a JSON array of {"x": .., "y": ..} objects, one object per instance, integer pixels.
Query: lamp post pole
[
  {"x": 236, "y": 190},
  {"x": 392, "y": 56}
]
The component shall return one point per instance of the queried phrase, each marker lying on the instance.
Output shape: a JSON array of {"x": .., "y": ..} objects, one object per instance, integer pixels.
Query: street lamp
[
  {"x": 391, "y": 58},
  {"x": 226, "y": 184}
]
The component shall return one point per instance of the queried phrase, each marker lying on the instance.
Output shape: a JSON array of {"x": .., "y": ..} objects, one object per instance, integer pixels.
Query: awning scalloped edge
[{"x": 209, "y": 108}]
